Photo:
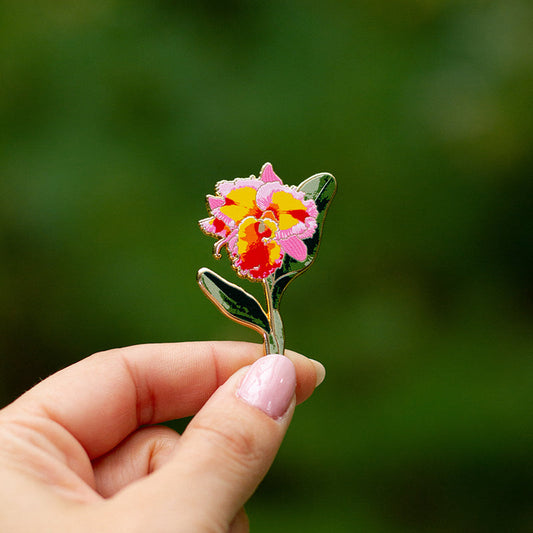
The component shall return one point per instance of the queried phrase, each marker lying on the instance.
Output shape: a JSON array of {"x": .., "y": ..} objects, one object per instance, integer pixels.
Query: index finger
[{"x": 103, "y": 398}]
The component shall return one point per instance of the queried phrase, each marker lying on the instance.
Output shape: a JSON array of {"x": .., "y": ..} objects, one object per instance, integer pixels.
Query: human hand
[{"x": 79, "y": 453}]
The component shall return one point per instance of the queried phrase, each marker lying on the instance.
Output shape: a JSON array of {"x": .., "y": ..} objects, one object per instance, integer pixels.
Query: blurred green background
[{"x": 117, "y": 117}]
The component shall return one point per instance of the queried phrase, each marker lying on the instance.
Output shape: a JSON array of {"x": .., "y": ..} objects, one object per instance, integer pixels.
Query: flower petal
[
  {"x": 239, "y": 204},
  {"x": 257, "y": 254},
  {"x": 214, "y": 226},
  {"x": 303, "y": 230},
  {"x": 295, "y": 214},
  {"x": 214, "y": 201},
  {"x": 268, "y": 175},
  {"x": 238, "y": 201},
  {"x": 224, "y": 187},
  {"x": 264, "y": 194},
  {"x": 294, "y": 247},
  {"x": 227, "y": 241}
]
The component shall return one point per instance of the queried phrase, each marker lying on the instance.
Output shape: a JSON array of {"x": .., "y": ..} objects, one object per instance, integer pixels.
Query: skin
[{"x": 80, "y": 452}]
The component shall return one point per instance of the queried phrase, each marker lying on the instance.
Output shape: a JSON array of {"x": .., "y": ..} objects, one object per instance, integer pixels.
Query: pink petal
[
  {"x": 227, "y": 240},
  {"x": 207, "y": 225},
  {"x": 233, "y": 241},
  {"x": 215, "y": 201},
  {"x": 309, "y": 230},
  {"x": 225, "y": 218},
  {"x": 294, "y": 247},
  {"x": 264, "y": 194},
  {"x": 312, "y": 210},
  {"x": 295, "y": 231},
  {"x": 224, "y": 187},
  {"x": 267, "y": 174}
]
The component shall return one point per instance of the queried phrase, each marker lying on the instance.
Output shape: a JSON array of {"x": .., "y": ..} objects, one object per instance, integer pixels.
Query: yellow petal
[
  {"x": 240, "y": 203},
  {"x": 290, "y": 210}
]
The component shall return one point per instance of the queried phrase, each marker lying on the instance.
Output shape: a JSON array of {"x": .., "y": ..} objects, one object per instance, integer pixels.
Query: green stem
[{"x": 275, "y": 340}]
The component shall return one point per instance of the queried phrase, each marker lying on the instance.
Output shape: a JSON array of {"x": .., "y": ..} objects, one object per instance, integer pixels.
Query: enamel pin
[{"x": 272, "y": 233}]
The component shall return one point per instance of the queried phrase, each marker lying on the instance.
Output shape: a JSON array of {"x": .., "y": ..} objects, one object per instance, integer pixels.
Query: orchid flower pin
[{"x": 271, "y": 232}]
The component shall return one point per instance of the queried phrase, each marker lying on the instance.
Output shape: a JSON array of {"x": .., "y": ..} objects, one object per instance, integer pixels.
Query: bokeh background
[{"x": 116, "y": 119}]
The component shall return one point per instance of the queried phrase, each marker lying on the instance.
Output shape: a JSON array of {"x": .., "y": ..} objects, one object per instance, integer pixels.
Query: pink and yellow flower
[{"x": 259, "y": 220}]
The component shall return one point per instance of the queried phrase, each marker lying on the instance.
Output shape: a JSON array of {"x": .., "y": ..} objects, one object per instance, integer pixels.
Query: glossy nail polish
[{"x": 269, "y": 385}]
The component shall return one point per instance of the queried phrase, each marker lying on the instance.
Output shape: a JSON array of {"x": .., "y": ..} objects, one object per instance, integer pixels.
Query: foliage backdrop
[{"x": 118, "y": 117}]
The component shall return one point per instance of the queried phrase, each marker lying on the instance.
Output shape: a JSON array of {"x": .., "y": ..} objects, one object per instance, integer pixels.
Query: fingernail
[
  {"x": 320, "y": 372},
  {"x": 269, "y": 384}
]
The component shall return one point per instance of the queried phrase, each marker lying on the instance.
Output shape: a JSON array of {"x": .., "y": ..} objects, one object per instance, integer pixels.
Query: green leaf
[
  {"x": 321, "y": 188},
  {"x": 233, "y": 301}
]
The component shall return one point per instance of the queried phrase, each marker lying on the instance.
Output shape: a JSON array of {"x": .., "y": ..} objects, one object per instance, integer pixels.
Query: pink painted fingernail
[{"x": 269, "y": 384}]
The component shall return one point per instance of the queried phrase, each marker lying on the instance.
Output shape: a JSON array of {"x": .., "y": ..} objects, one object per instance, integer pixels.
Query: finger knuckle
[{"x": 237, "y": 445}]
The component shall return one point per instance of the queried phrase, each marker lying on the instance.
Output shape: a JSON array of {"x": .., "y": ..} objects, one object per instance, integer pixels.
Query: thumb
[{"x": 225, "y": 451}]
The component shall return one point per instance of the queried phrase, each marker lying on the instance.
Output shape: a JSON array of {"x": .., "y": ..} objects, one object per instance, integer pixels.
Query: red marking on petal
[
  {"x": 298, "y": 214},
  {"x": 256, "y": 246},
  {"x": 219, "y": 225},
  {"x": 255, "y": 262}
]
